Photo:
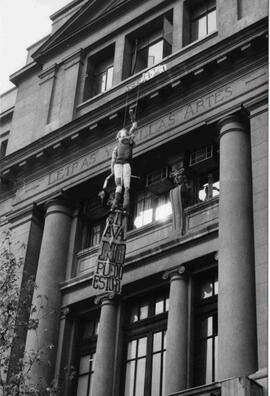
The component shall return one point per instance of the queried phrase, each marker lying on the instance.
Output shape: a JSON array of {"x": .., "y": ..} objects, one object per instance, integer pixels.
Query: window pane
[
  {"x": 202, "y": 27},
  {"x": 143, "y": 312},
  {"x": 209, "y": 357},
  {"x": 140, "y": 377},
  {"x": 134, "y": 314},
  {"x": 131, "y": 349},
  {"x": 130, "y": 371},
  {"x": 92, "y": 361},
  {"x": 144, "y": 218},
  {"x": 206, "y": 290},
  {"x": 206, "y": 327},
  {"x": 167, "y": 302},
  {"x": 82, "y": 385},
  {"x": 142, "y": 346},
  {"x": 165, "y": 340},
  {"x": 84, "y": 364},
  {"x": 159, "y": 306},
  {"x": 155, "y": 53},
  {"x": 163, "y": 372},
  {"x": 109, "y": 78},
  {"x": 102, "y": 86},
  {"x": 216, "y": 287},
  {"x": 156, "y": 370},
  {"x": 216, "y": 189},
  {"x": 163, "y": 211},
  {"x": 212, "y": 21},
  {"x": 157, "y": 341},
  {"x": 216, "y": 357}
]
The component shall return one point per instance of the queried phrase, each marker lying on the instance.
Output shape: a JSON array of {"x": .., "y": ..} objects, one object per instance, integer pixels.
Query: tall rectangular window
[
  {"x": 203, "y": 19},
  {"x": 147, "y": 46},
  {"x": 99, "y": 73},
  {"x": 206, "y": 330},
  {"x": 146, "y": 347},
  {"x": 88, "y": 330}
]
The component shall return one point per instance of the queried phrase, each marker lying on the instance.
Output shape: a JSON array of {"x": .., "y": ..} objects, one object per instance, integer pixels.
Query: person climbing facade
[{"x": 121, "y": 164}]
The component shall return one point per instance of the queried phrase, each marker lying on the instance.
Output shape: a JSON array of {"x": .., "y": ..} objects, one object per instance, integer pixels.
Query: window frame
[
  {"x": 155, "y": 199},
  {"x": 205, "y": 308},
  {"x": 86, "y": 346},
  {"x": 98, "y": 64},
  {"x": 146, "y": 327},
  {"x": 205, "y": 13}
]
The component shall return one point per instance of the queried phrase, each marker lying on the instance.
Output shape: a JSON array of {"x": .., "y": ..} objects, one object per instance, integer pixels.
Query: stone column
[
  {"x": 105, "y": 352},
  {"x": 176, "y": 348},
  {"x": 42, "y": 341},
  {"x": 237, "y": 347}
]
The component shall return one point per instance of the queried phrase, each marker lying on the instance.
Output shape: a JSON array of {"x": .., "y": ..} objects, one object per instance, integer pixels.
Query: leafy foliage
[{"x": 17, "y": 316}]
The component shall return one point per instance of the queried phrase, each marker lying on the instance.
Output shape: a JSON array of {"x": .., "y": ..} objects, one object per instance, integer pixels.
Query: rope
[{"x": 125, "y": 114}]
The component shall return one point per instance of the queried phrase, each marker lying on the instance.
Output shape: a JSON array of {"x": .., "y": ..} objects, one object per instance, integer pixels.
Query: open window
[
  {"x": 151, "y": 202},
  {"x": 99, "y": 73},
  {"x": 148, "y": 45},
  {"x": 204, "y": 165}
]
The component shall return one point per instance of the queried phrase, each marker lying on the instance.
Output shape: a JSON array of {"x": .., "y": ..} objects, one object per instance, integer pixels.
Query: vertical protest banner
[{"x": 110, "y": 262}]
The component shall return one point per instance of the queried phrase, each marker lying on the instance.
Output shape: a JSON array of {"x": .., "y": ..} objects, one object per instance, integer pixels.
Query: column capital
[
  {"x": 105, "y": 299},
  {"x": 231, "y": 123},
  {"x": 59, "y": 205},
  {"x": 64, "y": 312},
  {"x": 178, "y": 273}
]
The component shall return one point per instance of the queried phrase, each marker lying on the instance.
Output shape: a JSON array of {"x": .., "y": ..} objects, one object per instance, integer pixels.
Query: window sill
[{"x": 200, "y": 41}]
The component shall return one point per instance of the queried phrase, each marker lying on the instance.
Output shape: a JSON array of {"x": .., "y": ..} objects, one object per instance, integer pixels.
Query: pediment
[{"x": 87, "y": 15}]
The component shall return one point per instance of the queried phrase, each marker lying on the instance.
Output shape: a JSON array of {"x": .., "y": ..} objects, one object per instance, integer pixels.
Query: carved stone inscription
[
  {"x": 142, "y": 134},
  {"x": 58, "y": 178}
]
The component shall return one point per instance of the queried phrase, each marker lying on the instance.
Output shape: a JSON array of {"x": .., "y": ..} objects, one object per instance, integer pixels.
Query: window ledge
[
  {"x": 199, "y": 41},
  {"x": 134, "y": 79},
  {"x": 149, "y": 227}
]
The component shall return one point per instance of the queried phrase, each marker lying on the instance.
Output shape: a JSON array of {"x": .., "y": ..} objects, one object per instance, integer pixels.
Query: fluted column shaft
[
  {"x": 47, "y": 297},
  {"x": 176, "y": 348},
  {"x": 105, "y": 352},
  {"x": 236, "y": 301}
]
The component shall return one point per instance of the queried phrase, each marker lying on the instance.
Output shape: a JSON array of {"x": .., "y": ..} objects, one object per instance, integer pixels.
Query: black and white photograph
[{"x": 134, "y": 197}]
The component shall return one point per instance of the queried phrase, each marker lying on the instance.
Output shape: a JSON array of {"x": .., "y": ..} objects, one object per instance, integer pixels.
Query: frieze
[{"x": 88, "y": 164}]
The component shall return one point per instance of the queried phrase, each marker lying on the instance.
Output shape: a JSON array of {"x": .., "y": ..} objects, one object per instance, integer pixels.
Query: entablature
[{"x": 175, "y": 82}]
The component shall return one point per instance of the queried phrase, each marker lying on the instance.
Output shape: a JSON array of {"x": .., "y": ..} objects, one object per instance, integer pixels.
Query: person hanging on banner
[{"x": 120, "y": 164}]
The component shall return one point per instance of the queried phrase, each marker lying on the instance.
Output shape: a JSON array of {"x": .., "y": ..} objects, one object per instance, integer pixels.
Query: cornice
[
  {"x": 19, "y": 74},
  {"x": 115, "y": 99}
]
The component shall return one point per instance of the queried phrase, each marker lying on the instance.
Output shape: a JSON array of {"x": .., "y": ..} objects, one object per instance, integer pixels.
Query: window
[
  {"x": 203, "y": 19},
  {"x": 150, "y": 44},
  {"x": 146, "y": 348},
  {"x": 208, "y": 186},
  {"x": 3, "y": 148},
  {"x": 199, "y": 19},
  {"x": 206, "y": 329},
  {"x": 95, "y": 234},
  {"x": 149, "y": 208},
  {"x": 87, "y": 347},
  {"x": 99, "y": 73}
]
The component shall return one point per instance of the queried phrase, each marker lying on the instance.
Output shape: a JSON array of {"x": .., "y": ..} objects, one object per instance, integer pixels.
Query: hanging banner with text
[{"x": 110, "y": 262}]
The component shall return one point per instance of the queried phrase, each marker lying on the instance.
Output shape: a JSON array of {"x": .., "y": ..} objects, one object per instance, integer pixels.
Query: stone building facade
[{"x": 192, "y": 315}]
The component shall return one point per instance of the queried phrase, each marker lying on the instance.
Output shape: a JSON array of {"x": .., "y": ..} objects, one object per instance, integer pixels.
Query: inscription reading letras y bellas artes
[{"x": 110, "y": 262}]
